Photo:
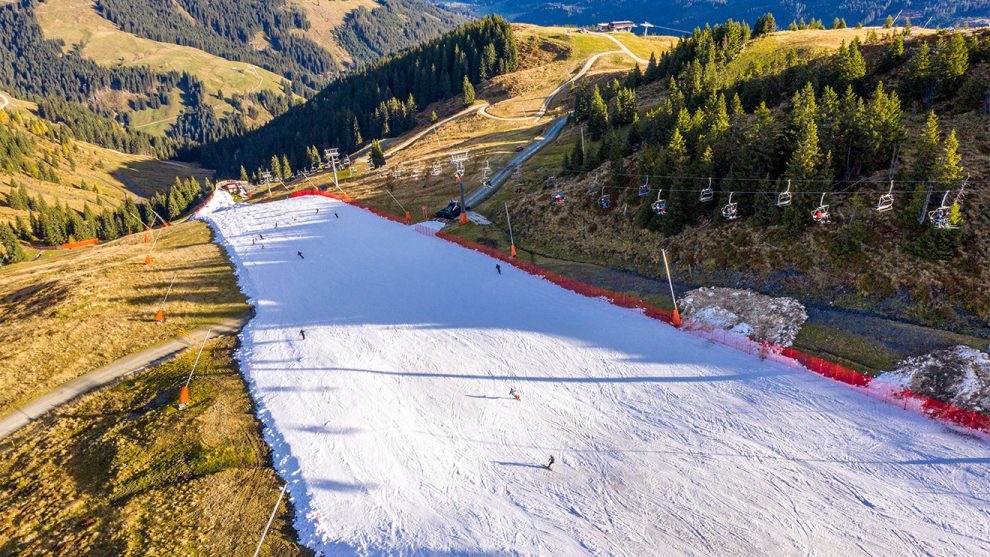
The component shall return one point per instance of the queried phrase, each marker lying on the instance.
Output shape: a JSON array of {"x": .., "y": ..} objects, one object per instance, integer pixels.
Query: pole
[
  {"x": 676, "y": 319},
  {"x": 509, "y": 220},
  {"x": 160, "y": 314},
  {"x": 270, "y": 520},
  {"x": 184, "y": 391},
  {"x": 408, "y": 216},
  {"x": 147, "y": 258},
  {"x": 460, "y": 182}
]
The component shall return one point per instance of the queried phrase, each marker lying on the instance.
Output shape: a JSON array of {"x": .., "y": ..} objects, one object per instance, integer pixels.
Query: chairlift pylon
[
  {"x": 886, "y": 201},
  {"x": 784, "y": 197},
  {"x": 820, "y": 214},
  {"x": 660, "y": 205},
  {"x": 707, "y": 193},
  {"x": 731, "y": 209}
]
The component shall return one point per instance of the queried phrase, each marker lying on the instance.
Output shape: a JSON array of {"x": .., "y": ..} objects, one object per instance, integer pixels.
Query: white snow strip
[{"x": 392, "y": 421}]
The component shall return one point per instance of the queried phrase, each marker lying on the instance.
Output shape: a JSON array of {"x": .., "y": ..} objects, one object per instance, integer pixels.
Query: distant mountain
[{"x": 684, "y": 15}]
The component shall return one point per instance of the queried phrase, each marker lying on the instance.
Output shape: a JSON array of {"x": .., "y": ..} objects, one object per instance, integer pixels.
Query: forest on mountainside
[
  {"x": 840, "y": 132},
  {"x": 381, "y": 100}
]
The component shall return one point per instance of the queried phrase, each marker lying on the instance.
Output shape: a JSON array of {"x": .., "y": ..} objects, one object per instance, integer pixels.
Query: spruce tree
[
  {"x": 468, "y": 90},
  {"x": 377, "y": 154},
  {"x": 276, "y": 167},
  {"x": 244, "y": 174},
  {"x": 286, "y": 169},
  {"x": 598, "y": 123}
]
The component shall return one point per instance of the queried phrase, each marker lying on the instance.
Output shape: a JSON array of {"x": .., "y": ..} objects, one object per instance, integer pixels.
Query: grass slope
[
  {"x": 78, "y": 22},
  {"x": 325, "y": 16},
  {"x": 79, "y": 310},
  {"x": 123, "y": 472}
]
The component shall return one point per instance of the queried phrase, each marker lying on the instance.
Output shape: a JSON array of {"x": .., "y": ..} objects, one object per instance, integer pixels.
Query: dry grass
[
  {"x": 76, "y": 311},
  {"x": 325, "y": 16},
  {"x": 77, "y": 21},
  {"x": 122, "y": 472}
]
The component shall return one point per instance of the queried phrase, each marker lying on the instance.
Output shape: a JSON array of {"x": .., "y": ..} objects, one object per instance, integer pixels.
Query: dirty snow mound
[
  {"x": 958, "y": 375},
  {"x": 762, "y": 318}
]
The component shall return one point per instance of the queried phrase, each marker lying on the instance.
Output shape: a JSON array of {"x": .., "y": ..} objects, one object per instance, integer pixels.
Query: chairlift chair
[
  {"x": 940, "y": 216},
  {"x": 707, "y": 193},
  {"x": 660, "y": 205},
  {"x": 784, "y": 197},
  {"x": 603, "y": 201},
  {"x": 886, "y": 201},
  {"x": 820, "y": 214},
  {"x": 644, "y": 188},
  {"x": 731, "y": 209}
]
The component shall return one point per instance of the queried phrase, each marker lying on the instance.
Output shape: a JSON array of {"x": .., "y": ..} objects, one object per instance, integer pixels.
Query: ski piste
[{"x": 391, "y": 424}]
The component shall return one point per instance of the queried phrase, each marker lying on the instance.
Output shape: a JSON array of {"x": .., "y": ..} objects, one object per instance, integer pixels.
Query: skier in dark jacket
[
  {"x": 299, "y": 253},
  {"x": 302, "y": 333},
  {"x": 498, "y": 268},
  {"x": 550, "y": 464}
]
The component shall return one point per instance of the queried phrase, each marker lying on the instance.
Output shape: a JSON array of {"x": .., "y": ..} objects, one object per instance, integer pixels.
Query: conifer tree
[
  {"x": 286, "y": 169},
  {"x": 276, "y": 167},
  {"x": 244, "y": 174},
  {"x": 468, "y": 92},
  {"x": 377, "y": 154},
  {"x": 597, "y": 115}
]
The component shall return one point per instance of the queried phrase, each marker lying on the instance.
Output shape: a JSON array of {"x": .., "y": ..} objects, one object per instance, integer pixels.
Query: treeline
[
  {"x": 379, "y": 101},
  {"x": 33, "y": 67},
  {"x": 367, "y": 35},
  {"x": 20, "y": 153},
  {"x": 227, "y": 29},
  {"x": 832, "y": 121},
  {"x": 56, "y": 224},
  {"x": 103, "y": 130}
]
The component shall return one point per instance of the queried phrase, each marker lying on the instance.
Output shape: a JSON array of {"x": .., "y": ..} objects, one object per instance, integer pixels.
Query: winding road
[{"x": 4, "y": 101}]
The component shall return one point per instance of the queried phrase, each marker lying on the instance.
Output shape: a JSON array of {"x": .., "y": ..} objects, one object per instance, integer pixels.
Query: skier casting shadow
[
  {"x": 299, "y": 253},
  {"x": 550, "y": 464},
  {"x": 498, "y": 268}
]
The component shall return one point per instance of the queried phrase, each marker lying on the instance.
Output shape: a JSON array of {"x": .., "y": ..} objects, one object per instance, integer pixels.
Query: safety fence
[
  {"x": 425, "y": 230},
  {"x": 887, "y": 392},
  {"x": 81, "y": 243}
]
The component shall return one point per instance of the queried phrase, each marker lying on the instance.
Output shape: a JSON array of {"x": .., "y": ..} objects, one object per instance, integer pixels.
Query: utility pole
[
  {"x": 512, "y": 242},
  {"x": 458, "y": 160}
]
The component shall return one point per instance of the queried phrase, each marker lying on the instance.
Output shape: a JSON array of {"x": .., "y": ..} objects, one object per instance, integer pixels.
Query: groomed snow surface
[{"x": 392, "y": 420}]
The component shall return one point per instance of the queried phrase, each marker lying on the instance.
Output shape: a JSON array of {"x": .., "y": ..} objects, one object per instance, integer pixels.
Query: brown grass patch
[{"x": 71, "y": 313}]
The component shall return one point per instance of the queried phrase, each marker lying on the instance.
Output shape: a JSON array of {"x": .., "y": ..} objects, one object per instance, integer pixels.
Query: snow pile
[
  {"x": 381, "y": 366},
  {"x": 762, "y": 318},
  {"x": 958, "y": 375}
]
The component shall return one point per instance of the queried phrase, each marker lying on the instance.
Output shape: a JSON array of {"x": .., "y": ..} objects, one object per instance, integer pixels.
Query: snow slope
[{"x": 393, "y": 424}]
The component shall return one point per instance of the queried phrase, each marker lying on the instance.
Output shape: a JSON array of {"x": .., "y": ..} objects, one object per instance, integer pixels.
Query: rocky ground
[
  {"x": 960, "y": 375},
  {"x": 764, "y": 318}
]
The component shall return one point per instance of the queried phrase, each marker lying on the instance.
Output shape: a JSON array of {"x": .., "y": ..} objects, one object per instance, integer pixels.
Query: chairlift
[
  {"x": 603, "y": 201},
  {"x": 940, "y": 217},
  {"x": 660, "y": 205},
  {"x": 644, "y": 188},
  {"x": 820, "y": 215},
  {"x": 731, "y": 209},
  {"x": 707, "y": 193},
  {"x": 886, "y": 201},
  {"x": 784, "y": 197}
]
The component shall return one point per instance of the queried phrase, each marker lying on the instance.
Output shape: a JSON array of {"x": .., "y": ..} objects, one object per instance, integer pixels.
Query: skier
[
  {"x": 498, "y": 268},
  {"x": 514, "y": 393},
  {"x": 317, "y": 210},
  {"x": 550, "y": 464},
  {"x": 302, "y": 333},
  {"x": 260, "y": 236},
  {"x": 299, "y": 253},
  {"x": 276, "y": 225},
  {"x": 336, "y": 215}
]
